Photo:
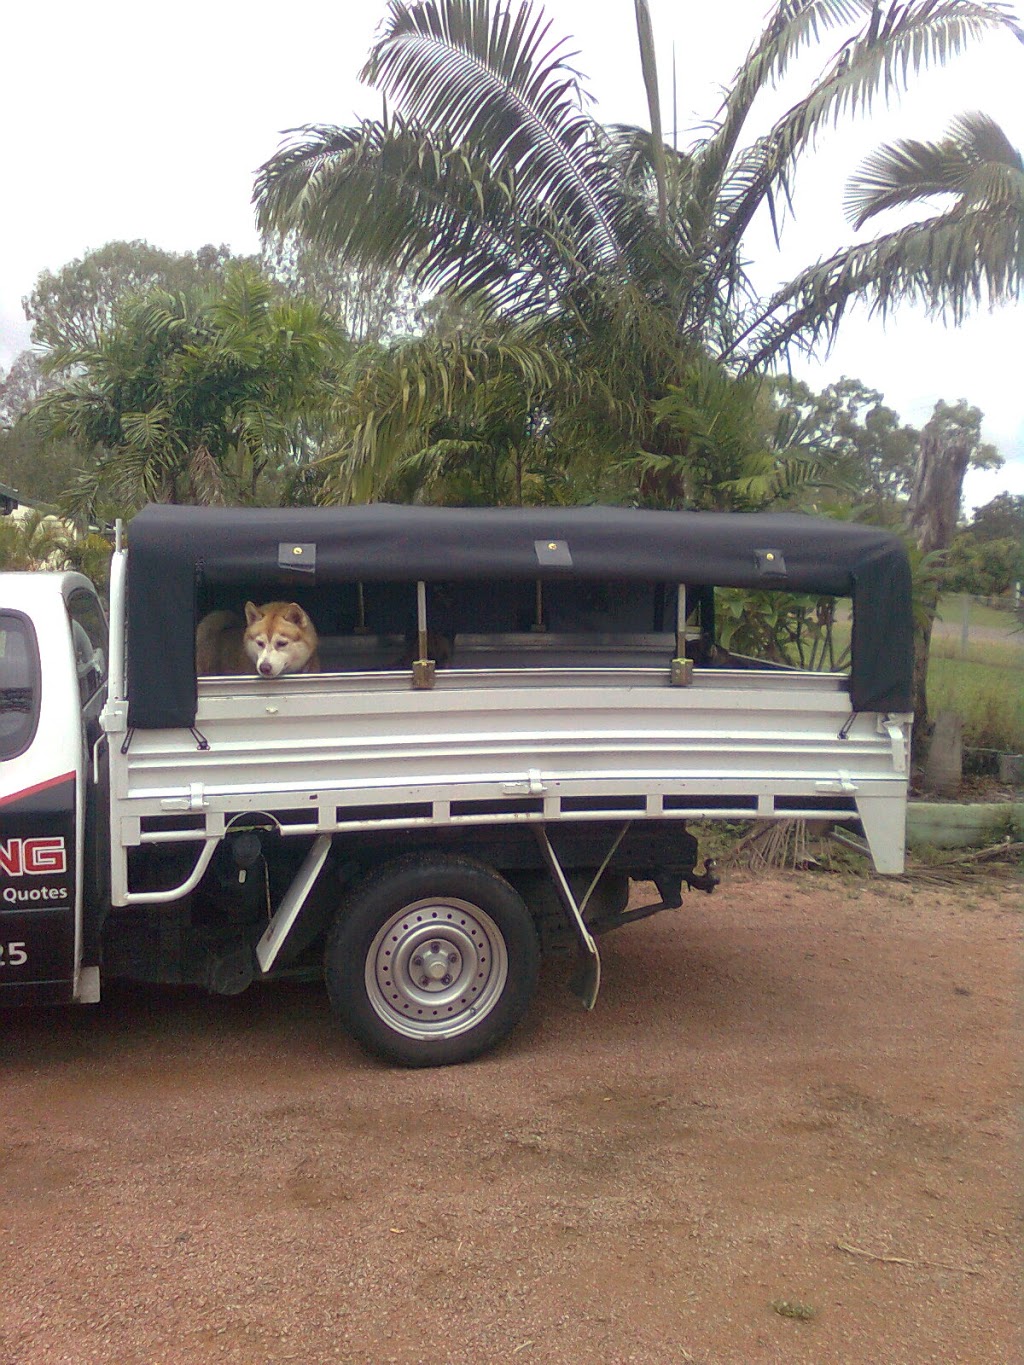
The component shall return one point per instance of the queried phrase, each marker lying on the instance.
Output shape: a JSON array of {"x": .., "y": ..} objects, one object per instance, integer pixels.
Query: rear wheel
[{"x": 432, "y": 961}]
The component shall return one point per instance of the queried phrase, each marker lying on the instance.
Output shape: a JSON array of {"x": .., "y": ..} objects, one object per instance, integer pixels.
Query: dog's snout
[{"x": 266, "y": 669}]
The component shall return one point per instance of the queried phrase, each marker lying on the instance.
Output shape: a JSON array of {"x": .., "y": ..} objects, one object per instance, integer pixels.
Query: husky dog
[{"x": 274, "y": 639}]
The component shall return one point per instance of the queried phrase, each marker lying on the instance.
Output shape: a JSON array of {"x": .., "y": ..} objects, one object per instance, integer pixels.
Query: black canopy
[{"x": 175, "y": 552}]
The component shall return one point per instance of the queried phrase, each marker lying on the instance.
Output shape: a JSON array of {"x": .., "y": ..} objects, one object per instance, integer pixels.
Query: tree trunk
[
  {"x": 932, "y": 516},
  {"x": 922, "y": 648},
  {"x": 938, "y": 486}
]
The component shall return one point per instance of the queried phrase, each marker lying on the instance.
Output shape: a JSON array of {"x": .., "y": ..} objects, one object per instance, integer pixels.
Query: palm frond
[
  {"x": 490, "y": 77},
  {"x": 445, "y": 218},
  {"x": 398, "y": 394},
  {"x": 206, "y": 477},
  {"x": 792, "y": 26},
  {"x": 947, "y": 264},
  {"x": 975, "y": 161},
  {"x": 649, "y": 68},
  {"x": 894, "y": 44},
  {"x": 897, "y": 42}
]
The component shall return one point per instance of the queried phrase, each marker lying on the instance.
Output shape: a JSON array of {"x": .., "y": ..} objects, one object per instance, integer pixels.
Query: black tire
[{"x": 432, "y": 960}]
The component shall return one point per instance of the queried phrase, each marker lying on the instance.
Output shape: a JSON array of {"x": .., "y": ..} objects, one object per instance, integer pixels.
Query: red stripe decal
[{"x": 39, "y": 787}]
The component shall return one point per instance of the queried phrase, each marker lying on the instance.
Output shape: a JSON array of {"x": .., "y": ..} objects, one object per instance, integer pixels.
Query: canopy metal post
[
  {"x": 538, "y": 609},
  {"x": 423, "y": 669},
  {"x": 360, "y": 626},
  {"x": 682, "y": 667}
]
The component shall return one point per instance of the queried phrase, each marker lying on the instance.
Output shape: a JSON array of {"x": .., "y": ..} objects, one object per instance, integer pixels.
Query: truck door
[
  {"x": 48, "y": 663},
  {"x": 90, "y": 641}
]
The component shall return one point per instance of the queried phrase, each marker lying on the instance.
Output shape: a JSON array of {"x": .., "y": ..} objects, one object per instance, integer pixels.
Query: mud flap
[
  {"x": 587, "y": 981},
  {"x": 884, "y": 820}
]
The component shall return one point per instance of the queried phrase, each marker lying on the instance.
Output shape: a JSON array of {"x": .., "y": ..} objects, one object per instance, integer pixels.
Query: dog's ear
[
  {"x": 252, "y": 613},
  {"x": 295, "y": 614}
]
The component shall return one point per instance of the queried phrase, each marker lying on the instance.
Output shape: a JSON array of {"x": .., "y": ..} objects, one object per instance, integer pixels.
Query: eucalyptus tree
[
  {"x": 874, "y": 452},
  {"x": 73, "y": 305},
  {"x": 370, "y": 304},
  {"x": 194, "y": 397},
  {"x": 488, "y": 179},
  {"x": 950, "y": 443},
  {"x": 985, "y": 567}
]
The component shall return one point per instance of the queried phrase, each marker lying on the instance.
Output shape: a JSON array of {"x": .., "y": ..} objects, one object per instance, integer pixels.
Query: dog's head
[{"x": 279, "y": 638}]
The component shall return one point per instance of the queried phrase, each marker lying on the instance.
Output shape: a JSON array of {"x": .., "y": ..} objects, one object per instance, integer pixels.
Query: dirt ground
[{"x": 799, "y": 1096}]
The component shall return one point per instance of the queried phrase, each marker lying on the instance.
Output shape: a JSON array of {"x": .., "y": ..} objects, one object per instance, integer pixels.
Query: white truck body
[{"x": 536, "y": 749}]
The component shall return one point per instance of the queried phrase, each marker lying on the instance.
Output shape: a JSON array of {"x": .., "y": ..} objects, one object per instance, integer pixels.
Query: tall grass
[
  {"x": 951, "y": 613},
  {"x": 986, "y": 688},
  {"x": 984, "y": 685}
]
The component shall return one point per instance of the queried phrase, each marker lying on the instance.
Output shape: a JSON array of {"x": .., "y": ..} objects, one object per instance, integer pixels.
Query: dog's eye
[
  {"x": 280, "y": 644},
  {"x": 261, "y": 641}
]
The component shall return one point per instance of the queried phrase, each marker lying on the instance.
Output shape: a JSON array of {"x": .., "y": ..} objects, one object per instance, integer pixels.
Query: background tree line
[{"x": 146, "y": 383}]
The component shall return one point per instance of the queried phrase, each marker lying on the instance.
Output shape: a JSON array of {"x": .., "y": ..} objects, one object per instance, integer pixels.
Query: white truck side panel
[{"x": 363, "y": 751}]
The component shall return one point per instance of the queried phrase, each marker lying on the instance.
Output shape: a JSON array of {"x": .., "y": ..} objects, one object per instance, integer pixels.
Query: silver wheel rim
[{"x": 436, "y": 968}]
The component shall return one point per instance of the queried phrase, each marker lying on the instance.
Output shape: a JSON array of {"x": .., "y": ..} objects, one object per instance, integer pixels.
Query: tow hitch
[{"x": 670, "y": 886}]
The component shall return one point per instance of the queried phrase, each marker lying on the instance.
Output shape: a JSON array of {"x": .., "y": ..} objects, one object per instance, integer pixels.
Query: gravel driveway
[{"x": 800, "y": 1092}]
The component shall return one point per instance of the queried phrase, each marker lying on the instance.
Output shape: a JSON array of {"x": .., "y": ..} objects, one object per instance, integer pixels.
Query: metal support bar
[
  {"x": 682, "y": 667},
  {"x": 292, "y": 902},
  {"x": 423, "y": 668},
  {"x": 122, "y": 896},
  {"x": 116, "y": 689},
  {"x": 587, "y": 981},
  {"x": 421, "y": 619},
  {"x": 601, "y": 870},
  {"x": 538, "y": 626},
  {"x": 681, "y": 621}
]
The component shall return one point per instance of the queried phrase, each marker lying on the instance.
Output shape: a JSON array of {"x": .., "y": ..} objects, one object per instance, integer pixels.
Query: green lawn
[
  {"x": 951, "y": 613},
  {"x": 986, "y": 688},
  {"x": 985, "y": 685}
]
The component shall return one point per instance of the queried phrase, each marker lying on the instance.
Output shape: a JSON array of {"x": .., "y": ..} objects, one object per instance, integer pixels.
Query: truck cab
[{"x": 53, "y": 670}]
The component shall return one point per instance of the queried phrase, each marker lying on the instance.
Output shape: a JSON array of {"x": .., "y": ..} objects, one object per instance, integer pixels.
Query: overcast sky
[{"x": 124, "y": 120}]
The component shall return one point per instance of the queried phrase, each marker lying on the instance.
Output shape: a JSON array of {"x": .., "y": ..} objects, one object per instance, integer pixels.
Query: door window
[
  {"x": 89, "y": 635},
  {"x": 19, "y": 684}
]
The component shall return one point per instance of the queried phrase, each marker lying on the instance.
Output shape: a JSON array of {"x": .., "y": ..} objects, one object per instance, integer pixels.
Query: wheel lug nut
[
  {"x": 425, "y": 981},
  {"x": 435, "y": 947},
  {"x": 417, "y": 962},
  {"x": 446, "y": 981},
  {"x": 452, "y": 958}
]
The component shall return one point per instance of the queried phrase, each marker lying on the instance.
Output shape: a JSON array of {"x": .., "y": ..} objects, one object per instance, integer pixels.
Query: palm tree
[
  {"x": 403, "y": 405},
  {"x": 197, "y": 397},
  {"x": 491, "y": 182},
  {"x": 971, "y": 251},
  {"x": 726, "y": 444},
  {"x": 29, "y": 541}
]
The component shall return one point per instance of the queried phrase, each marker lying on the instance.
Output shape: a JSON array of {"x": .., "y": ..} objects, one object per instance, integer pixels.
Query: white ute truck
[{"x": 519, "y": 711}]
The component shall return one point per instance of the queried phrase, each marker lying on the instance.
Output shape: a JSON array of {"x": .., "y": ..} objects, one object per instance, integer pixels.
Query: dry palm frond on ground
[{"x": 799, "y": 843}]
